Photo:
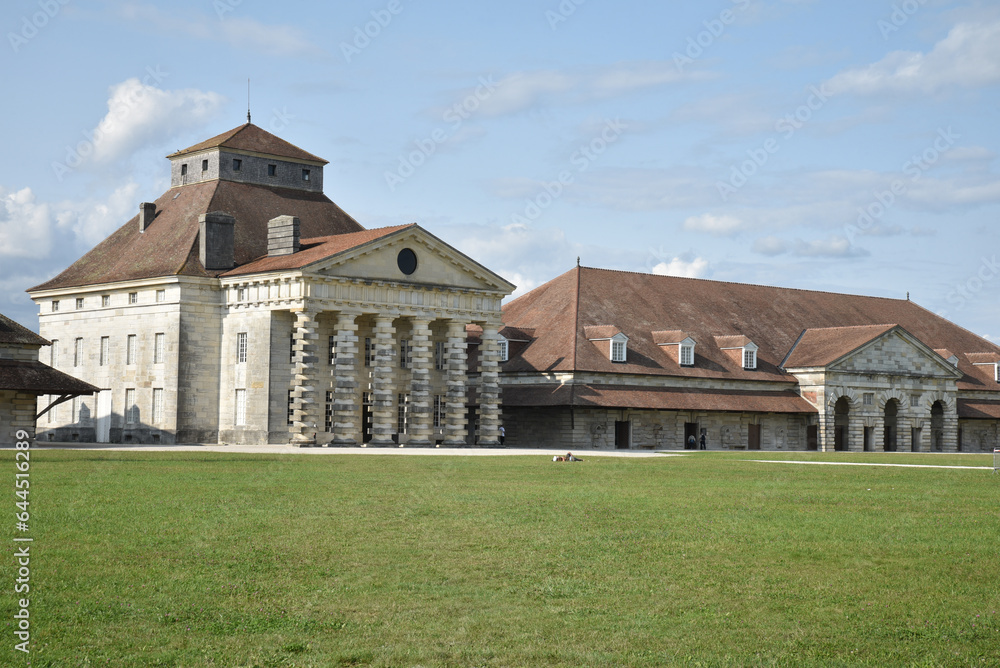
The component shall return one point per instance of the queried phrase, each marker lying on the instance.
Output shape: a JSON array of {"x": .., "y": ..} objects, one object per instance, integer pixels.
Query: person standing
[
  {"x": 702, "y": 442},
  {"x": 503, "y": 434}
]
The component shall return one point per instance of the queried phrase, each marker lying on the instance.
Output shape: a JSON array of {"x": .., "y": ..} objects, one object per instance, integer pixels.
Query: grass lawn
[{"x": 204, "y": 559}]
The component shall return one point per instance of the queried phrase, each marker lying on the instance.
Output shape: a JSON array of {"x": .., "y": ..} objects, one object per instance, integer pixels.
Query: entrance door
[
  {"x": 812, "y": 437},
  {"x": 753, "y": 437},
  {"x": 623, "y": 435},
  {"x": 690, "y": 430},
  {"x": 102, "y": 419}
]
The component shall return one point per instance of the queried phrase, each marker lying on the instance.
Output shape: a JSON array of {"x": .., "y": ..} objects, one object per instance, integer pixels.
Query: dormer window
[
  {"x": 687, "y": 354},
  {"x": 504, "y": 348},
  {"x": 237, "y": 164},
  {"x": 272, "y": 170},
  {"x": 305, "y": 174},
  {"x": 184, "y": 169},
  {"x": 619, "y": 347},
  {"x": 750, "y": 356},
  {"x": 204, "y": 165}
]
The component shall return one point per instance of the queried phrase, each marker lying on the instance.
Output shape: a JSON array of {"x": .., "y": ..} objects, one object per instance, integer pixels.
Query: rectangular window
[
  {"x": 403, "y": 413},
  {"x": 130, "y": 349},
  {"x": 617, "y": 351},
  {"x": 55, "y": 305},
  {"x": 105, "y": 350},
  {"x": 204, "y": 165},
  {"x": 131, "y": 410},
  {"x": 241, "y": 348},
  {"x": 272, "y": 170},
  {"x": 437, "y": 410},
  {"x": 504, "y": 349},
  {"x": 305, "y": 174},
  {"x": 237, "y": 164},
  {"x": 914, "y": 400},
  {"x": 687, "y": 355},
  {"x": 291, "y": 409},
  {"x": 868, "y": 399},
  {"x": 328, "y": 415},
  {"x": 133, "y": 298},
  {"x": 54, "y": 350},
  {"x": 241, "y": 408},
  {"x": 184, "y": 169},
  {"x": 332, "y": 349},
  {"x": 157, "y": 405},
  {"x": 105, "y": 300},
  {"x": 78, "y": 352},
  {"x": 439, "y": 355},
  {"x": 241, "y": 294},
  {"x": 404, "y": 354},
  {"x": 369, "y": 352},
  {"x": 161, "y": 295},
  {"x": 79, "y": 303},
  {"x": 158, "y": 345},
  {"x": 749, "y": 359},
  {"x": 75, "y": 416}
]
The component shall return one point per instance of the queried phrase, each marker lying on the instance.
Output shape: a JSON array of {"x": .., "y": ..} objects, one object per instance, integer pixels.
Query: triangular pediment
[
  {"x": 895, "y": 352},
  {"x": 414, "y": 256}
]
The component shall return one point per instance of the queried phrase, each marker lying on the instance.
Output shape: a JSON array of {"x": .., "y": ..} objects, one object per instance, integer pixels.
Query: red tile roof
[
  {"x": 822, "y": 346},
  {"x": 251, "y": 138},
  {"x": 670, "y": 337},
  {"x": 973, "y": 409},
  {"x": 658, "y": 398},
  {"x": 593, "y": 332},
  {"x": 169, "y": 246},
  {"x": 771, "y": 317},
  {"x": 316, "y": 249}
]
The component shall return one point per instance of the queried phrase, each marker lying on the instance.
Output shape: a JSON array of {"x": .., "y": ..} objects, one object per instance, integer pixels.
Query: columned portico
[
  {"x": 456, "y": 357},
  {"x": 303, "y": 385}
]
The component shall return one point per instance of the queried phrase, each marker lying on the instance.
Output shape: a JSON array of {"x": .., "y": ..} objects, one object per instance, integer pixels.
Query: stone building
[
  {"x": 23, "y": 379},
  {"x": 610, "y": 359},
  {"x": 244, "y": 306}
]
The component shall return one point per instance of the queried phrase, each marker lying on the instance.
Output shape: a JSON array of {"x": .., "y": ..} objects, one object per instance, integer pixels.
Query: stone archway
[
  {"x": 890, "y": 435},
  {"x": 841, "y": 424},
  {"x": 937, "y": 426}
]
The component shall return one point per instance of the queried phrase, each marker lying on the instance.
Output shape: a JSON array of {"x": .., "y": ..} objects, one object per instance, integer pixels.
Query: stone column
[
  {"x": 421, "y": 407},
  {"x": 489, "y": 388},
  {"x": 383, "y": 387},
  {"x": 950, "y": 441},
  {"x": 456, "y": 362},
  {"x": 305, "y": 416},
  {"x": 903, "y": 432},
  {"x": 856, "y": 433},
  {"x": 346, "y": 398},
  {"x": 878, "y": 435}
]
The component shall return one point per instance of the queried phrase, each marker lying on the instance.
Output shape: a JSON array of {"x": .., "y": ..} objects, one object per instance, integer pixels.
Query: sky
[{"x": 845, "y": 146}]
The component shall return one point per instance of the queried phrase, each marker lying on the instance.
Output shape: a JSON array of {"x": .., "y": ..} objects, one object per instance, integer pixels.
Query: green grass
[{"x": 201, "y": 559}]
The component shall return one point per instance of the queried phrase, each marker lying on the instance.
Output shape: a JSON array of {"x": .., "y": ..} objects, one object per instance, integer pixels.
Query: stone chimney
[
  {"x": 282, "y": 236},
  {"x": 147, "y": 211},
  {"x": 216, "y": 240}
]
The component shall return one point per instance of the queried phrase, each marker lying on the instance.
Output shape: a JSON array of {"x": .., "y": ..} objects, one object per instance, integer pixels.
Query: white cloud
[
  {"x": 720, "y": 226},
  {"x": 139, "y": 113},
  {"x": 834, "y": 246},
  {"x": 92, "y": 221},
  {"x": 770, "y": 246},
  {"x": 25, "y": 225},
  {"x": 968, "y": 57},
  {"x": 683, "y": 267}
]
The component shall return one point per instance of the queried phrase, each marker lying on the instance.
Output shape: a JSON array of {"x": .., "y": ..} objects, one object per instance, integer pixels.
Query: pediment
[
  {"x": 425, "y": 260},
  {"x": 896, "y": 352}
]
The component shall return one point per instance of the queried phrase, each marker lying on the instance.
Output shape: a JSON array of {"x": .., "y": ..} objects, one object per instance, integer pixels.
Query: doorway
[
  {"x": 690, "y": 431},
  {"x": 623, "y": 435},
  {"x": 753, "y": 437}
]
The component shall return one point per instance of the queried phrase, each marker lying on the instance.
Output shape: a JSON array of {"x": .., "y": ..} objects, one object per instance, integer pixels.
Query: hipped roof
[
  {"x": 772, "y": 317},
  {"x": 33, "y": 377},
  {"x": 249, "y": 137},
  {"x": 15, "y": 333}
]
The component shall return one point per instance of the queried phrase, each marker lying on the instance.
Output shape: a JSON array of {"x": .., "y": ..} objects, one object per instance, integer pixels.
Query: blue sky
[{"x": 848, "y": 146}]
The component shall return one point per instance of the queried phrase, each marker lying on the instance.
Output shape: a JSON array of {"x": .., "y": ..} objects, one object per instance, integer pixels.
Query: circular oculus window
[{"x": 407, "y": 261}]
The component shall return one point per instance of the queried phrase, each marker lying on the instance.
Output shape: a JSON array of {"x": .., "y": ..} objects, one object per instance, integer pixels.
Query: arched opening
[
  {"x": 841, "y": 424},
  {"x": 937, "y": 426},
  {"x": 889, "y": 434}
]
